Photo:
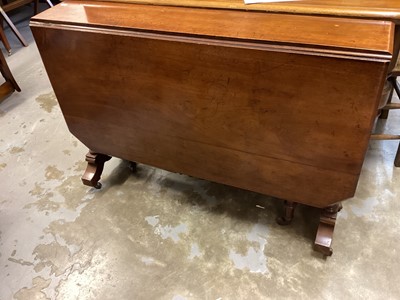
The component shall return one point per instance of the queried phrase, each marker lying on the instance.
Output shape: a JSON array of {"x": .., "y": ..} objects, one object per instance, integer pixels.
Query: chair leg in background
[
  {"x": 13, "y": 28},
  {"x": 4, "y": 38}
]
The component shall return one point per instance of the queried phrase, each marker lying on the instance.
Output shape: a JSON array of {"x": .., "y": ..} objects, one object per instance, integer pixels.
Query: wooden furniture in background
[
  {"x": 234, "y": 95},
  {"x": 391, "y": 86},
  {"x": 4, "y": 39},
  {"x": 10, "y": 85},
  {"x": 6, "y": 7}
]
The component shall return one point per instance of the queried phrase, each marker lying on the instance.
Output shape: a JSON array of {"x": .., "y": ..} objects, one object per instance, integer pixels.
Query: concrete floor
[{"x": 158, "y": 235}]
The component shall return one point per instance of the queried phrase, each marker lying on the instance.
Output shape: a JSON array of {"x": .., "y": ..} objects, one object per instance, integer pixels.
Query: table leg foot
[
  {"x": 94, "y": 169},
  {"x": 326, "y": 227},
  {"x": 133, "y": 166},
  {"x": 288, "y": 215}
]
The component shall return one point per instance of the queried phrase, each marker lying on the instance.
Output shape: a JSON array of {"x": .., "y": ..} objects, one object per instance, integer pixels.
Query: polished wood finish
[
  {"x": 94, "y": 169},
  {"x": 323, "y": 240},
  {"x": 333, "y": 33},
  {"x": 388, "y": 10},
  {"x": 223, "y": 112},
  {"x": 373, "y": 9},
  {"x": 250, "y": 99}
]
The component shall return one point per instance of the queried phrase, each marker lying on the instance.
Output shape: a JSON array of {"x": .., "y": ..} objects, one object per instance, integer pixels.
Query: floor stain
[
  {"x": 52, "y": 173},
  {"x": 38, "y": 190},
  {"x": 166, "y": 231},
  {"x": 80, "y": 165},
  {"x": 20, "y": 261},
  {"x": 2, "y": 166},
  {"x": 365, "y": 208},
  {"x": 47, "y": 101},
  {"x": 35, "y": 292},
  {"x": 64, "y": 195},
  {"x": 52, "y": 255},
  {"x": 191, "y": 237},
  {"x": 148, "y": 261},
  {"x": 254, "y": 260},
  {"x": 194, "y": 251},
  {"x": 44, "y": 203},
  {"x": 152, "y": 237},
  {"x": 16, "y": 150}
]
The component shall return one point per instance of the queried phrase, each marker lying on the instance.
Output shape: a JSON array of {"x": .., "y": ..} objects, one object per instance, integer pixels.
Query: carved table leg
[
  {"x": 94, "y": 169},
  {"x": 326, "y": 226},
  {"x": 288, "y": 215}
]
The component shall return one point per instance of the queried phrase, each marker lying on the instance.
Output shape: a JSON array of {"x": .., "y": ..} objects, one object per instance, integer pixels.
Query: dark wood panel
[
  {"x": 275, "y": 177},
  {"x": 264, "y": 121}
]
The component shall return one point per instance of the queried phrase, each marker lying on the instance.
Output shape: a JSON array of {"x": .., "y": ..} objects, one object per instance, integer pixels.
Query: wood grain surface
[
  {"x": 364, "y": 35},
  {"x": 371, "y": 9},
  {"x": 267, "y": 121}
]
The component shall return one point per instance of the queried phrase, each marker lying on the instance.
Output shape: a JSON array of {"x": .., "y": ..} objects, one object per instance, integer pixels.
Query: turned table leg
[
  {"x": 288, "y": 215},
  {"x": 94, "y": 169},
  {"x": 326, "y": 227}
]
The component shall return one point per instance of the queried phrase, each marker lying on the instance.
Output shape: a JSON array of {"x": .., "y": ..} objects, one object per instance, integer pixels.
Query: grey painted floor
[{"x": 158, "y": 235}]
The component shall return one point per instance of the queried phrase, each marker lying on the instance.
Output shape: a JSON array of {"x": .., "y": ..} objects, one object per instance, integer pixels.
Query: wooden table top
[
  {"x": 363, "y": 37},
  {"x": 370, "y": 9}
]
